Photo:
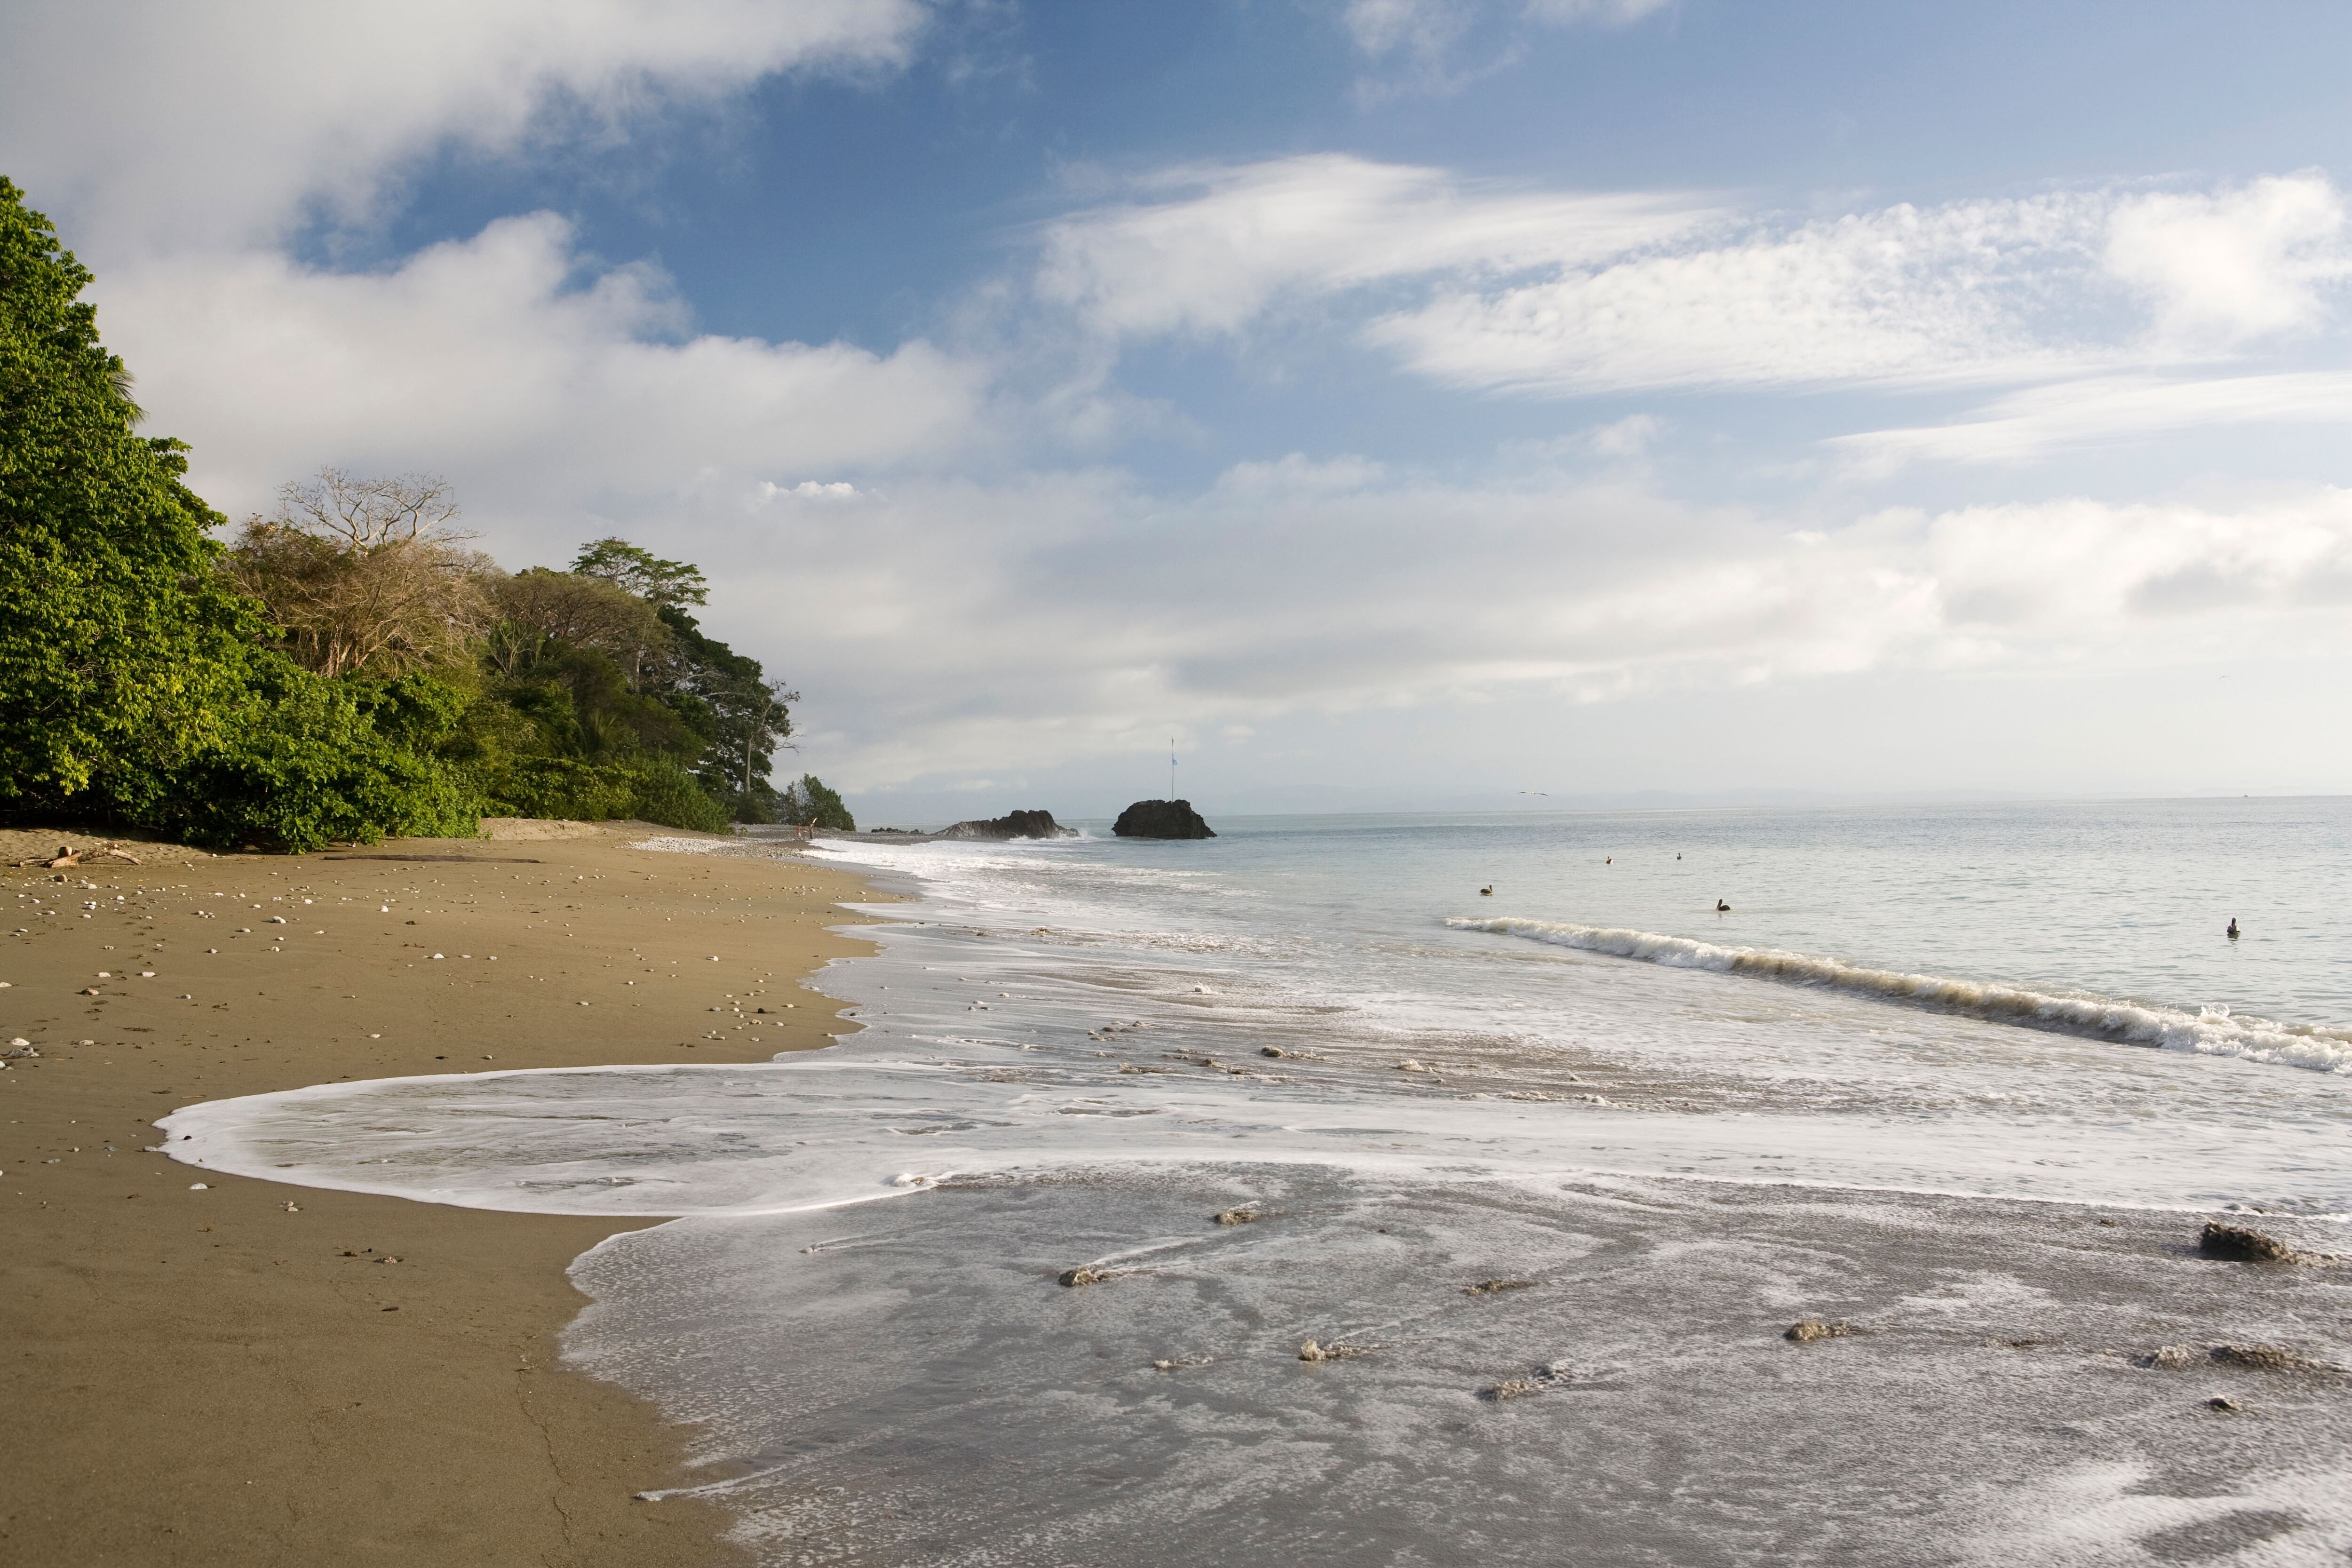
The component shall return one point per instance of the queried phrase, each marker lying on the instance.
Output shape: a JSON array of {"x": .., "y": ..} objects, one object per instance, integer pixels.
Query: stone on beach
[
  {"x": 1805, "y": 1331},
  {"x": 2240, "y": 1244},
  {"x": 1314, "y": 1350},
  {"x": 2245, "y": 1357},
  {"x": 2266, "y": 1358}
]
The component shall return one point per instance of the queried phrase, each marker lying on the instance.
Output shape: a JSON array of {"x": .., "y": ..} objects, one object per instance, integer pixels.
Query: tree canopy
[
  {"x": 124, "y": 648},
  {"x": 666, "y": 585}
]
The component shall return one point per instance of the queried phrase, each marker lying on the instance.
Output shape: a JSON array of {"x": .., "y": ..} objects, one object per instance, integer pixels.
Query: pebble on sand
[{"x": 1805, "y": 1331}]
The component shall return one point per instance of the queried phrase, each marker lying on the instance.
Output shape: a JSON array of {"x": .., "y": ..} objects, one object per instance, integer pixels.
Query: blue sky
[{"x": 1399, "y": 401}]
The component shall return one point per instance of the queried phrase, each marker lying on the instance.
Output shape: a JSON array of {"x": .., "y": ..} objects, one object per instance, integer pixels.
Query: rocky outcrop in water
[
  {"x": 1161, "y": 819},
  {"x": 1017, "y": 825}
]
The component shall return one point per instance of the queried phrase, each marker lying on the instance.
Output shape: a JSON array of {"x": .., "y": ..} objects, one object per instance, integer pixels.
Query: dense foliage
[
  {"x": 347, "y": 669},
  {"x": 812, "y": 804}
]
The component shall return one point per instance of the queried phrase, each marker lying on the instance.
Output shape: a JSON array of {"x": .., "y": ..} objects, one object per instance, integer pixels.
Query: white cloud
[
  {"x": 1429, "y": 27},
  {"x": 1207, "y": 249},
  {"x": 1422, "y": 45},
  {"x": 1627, "y": 438},
  {"x": 1569, "y": 293},
  {"x": 481, "y": 359},
  {"x": 1422, "y": 27},
  {"x": 2028, "y": 424},
  {"x": 1603, "y": 13},
  {"x": 222, "y": 124},
  {"x": 2223, "y": 266},
  {"x": 957, "y": 629},
  {"x": 811, "y": 490},
  {"x": 1299, "y": 474},
  {"x": 1905, "y": 294}
]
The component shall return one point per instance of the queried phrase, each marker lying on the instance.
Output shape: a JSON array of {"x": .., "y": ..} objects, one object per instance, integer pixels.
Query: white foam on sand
[{"x": 853, "y": 1123}]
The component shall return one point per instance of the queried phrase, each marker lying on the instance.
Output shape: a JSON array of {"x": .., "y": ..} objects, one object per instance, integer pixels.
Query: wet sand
[{"x": 245, "y": 1374}]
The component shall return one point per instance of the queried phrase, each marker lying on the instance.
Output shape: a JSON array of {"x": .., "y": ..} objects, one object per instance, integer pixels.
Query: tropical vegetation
[{"x": 343, "y": 667}]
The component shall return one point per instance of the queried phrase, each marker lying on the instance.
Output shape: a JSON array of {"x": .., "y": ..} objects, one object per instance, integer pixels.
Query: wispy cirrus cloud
[
  {"x": 1201, "y": 250},
  {"x": 1903, "y": 294},
  {"x": 1433, "y": 48},
  {"x": 2033, "y": 422},
  {"x": 1488, "y": 289}
]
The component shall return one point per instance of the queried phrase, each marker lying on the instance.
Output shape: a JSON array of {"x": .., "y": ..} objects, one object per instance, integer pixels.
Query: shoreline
[{"x": 262, "y": 1374}]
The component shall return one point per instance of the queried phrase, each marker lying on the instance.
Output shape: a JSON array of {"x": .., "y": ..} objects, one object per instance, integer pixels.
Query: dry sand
[{"x": 243, "y": 1375}]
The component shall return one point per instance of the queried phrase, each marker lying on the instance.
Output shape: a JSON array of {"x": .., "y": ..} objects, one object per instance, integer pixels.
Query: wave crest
[{"x": 2207, "y": 1032}]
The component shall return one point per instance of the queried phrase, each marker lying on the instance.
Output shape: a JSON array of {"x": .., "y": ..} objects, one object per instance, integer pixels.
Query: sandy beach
[{"x": 261, "y": 1375}]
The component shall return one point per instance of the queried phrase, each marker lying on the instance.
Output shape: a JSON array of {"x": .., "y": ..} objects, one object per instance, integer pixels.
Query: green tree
[
  {"x": 122, "y": 653},
  {"x": 136, "y": 684},
  {"x": 741, "y": 715},
  {"x": 664, "y": 585},
  {"x": 809, "y": 802}
]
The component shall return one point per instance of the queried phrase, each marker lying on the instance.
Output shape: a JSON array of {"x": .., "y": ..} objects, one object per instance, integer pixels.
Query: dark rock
[
  {"x": 2240, "y": 1245},
  {"x": 1018, "y": 825},
  {"x": 1161, "y": 819}
]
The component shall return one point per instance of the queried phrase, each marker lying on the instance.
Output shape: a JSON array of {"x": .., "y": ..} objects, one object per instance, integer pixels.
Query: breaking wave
[{"x": 2209, "y": 1031}]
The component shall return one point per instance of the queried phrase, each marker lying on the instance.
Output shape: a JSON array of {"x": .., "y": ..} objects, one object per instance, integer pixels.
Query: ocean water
[{"x": 1543, "y": 1175}]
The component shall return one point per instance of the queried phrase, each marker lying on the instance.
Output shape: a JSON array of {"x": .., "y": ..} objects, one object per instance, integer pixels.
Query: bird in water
[
  {"x": 2232, "y": 932},
  {"x": 1609, "y": 859},
  {"x": 1721, "y": 907},
  {"x": 1487, "y": 891}
]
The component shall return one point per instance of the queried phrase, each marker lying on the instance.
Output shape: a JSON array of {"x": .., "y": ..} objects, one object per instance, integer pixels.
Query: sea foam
[{"x": 2207, "y": 1032}]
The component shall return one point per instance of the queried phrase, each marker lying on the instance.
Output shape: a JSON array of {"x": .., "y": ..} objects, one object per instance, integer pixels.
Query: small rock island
[
  {"x": 1014, "y": 825},
  {"x": 1161, "y": 819}
]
